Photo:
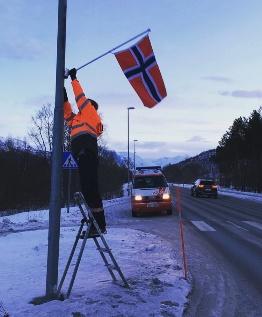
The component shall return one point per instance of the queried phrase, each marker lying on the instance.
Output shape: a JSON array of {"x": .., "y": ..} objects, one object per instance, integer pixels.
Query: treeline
[
  {"x": 187, "y": 171},
  {"x": 236, "y": 162},
  {"x": 25, "y": 176},
  {"x": 239, "y": 154}
]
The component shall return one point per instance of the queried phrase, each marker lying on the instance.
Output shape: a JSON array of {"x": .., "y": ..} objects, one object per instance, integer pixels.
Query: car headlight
[
  {"x": 166, "y": 196},
  {"x": 138, "y": 197}
]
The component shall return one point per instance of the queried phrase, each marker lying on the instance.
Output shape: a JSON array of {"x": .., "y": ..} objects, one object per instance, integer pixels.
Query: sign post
[{"x": 69, "y": 163}]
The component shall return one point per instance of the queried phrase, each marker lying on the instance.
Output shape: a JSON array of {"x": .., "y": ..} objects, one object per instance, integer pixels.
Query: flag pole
[{"x": 113, "y": 49}]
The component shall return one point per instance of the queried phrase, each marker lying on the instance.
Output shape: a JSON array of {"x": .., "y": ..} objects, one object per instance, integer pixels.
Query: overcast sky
[{"x": 209, "y": 53}]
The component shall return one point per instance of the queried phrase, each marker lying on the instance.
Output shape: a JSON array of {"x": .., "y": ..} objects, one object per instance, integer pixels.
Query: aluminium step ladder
[{"x": 102, "y": 247}]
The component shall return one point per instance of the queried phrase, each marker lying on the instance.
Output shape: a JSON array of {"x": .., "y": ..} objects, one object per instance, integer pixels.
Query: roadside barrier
[{"x": 181, "y": 228}]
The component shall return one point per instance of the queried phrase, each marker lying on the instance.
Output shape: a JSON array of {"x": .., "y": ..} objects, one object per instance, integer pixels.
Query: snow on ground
[
  {"x": 33, "y": 220},
  {"x": 231, "y": 192},
  {"x": 242, "y": 195},
  {"x": 157, "y": 286}
]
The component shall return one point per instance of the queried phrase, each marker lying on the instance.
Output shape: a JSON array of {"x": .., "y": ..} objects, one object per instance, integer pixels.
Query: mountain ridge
[{"x": 162, "y": 161}]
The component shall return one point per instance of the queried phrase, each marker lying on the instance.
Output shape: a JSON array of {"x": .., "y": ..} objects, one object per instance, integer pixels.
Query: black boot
[{"x": 100, "y": 219}]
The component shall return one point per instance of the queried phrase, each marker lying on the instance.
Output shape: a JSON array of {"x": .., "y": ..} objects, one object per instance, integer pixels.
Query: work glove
[
  {"x": 65, "y": 95},
  {"x": 72, "y": 73}
]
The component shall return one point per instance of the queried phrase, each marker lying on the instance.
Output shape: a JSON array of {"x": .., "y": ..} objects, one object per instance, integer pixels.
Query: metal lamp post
[
  {"x": 135, "y": 155},
  {"x": 128, "y": 159},
  {"x": 55, "y": 197}
]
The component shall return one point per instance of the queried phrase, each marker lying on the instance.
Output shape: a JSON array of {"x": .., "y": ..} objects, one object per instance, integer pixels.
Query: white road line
[
  {"x": 237, "y": 226},
  {"x": 202, "y": 226},
  {"x": 254, "y": 224}
]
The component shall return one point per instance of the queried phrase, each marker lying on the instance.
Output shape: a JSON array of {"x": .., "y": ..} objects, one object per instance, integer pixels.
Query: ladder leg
[
  {"x": 104, "y": 259},
  {"x": 114, "y": 261},
  {"x": 78, "y": 261},
  {"x": 69, "y": 260},
  {"x": 88, "y": 215}
]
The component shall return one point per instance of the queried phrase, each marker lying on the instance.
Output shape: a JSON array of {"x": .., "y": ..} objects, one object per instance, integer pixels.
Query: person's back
[{"x": 86, "y": 126}]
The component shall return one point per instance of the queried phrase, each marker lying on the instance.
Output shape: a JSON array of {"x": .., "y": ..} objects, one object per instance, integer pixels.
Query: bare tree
[
  {"x": 41, "y": 133},
  {"x": 67, "y": 142}
]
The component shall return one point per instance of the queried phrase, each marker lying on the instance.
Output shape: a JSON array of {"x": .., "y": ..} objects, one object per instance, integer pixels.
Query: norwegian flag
[{"x": 140, "y": 67}]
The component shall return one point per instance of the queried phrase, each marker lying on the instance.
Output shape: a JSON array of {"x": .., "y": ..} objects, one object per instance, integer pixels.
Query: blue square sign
[{"x": 68, "y": 161}]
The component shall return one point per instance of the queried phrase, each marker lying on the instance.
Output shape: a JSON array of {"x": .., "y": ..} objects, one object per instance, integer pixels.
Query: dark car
[{"x": 204, "y": 187}]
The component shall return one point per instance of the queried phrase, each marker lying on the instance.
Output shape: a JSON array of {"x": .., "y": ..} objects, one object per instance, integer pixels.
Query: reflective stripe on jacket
[{"x": 87, "y": 120}]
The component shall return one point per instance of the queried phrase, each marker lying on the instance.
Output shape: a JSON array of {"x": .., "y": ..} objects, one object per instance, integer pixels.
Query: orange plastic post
[{"x": 181, "y": 229}]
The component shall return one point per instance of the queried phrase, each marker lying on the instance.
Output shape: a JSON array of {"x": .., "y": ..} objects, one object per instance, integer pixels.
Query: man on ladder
[{"x": 86, "y": 127}]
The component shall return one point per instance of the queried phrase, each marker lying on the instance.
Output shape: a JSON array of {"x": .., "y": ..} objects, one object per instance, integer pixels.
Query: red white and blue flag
[{"x": 140, "y": 67}]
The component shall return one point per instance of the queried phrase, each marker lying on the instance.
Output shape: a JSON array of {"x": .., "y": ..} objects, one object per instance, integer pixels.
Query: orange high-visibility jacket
[{"x": 87, "y": 120}]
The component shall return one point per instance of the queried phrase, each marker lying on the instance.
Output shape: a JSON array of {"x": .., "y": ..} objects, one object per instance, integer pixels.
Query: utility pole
[
  {"x": 135, "y": 155},
  {"x": 56, "y": 173},
  {"x": 128, "y": 159}
]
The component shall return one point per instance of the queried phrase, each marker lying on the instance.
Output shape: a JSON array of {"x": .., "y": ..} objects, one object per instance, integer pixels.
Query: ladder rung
[
  {"x": 111, "y": 267},
  {"x": 104, "y": 250}
]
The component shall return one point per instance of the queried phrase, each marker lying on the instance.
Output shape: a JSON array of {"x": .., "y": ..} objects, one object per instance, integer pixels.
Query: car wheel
[{"x": 169, "y": 211}]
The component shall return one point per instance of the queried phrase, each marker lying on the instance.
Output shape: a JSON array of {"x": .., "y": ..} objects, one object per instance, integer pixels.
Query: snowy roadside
[
  {"x": 231, "y": 192},
  {"x": 242, "y": 195},
  {"x": 35, "y": 220},
  {"x": 148, "y": 262}
]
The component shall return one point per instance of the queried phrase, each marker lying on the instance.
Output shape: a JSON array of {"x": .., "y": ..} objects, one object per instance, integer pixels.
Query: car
[
  {"x": 150, "y": 192},
  {"x": 204, "y": 187}
]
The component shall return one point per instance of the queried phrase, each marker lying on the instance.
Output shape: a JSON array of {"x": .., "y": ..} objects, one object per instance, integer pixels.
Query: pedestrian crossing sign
[{"x": 69, "y": 161}]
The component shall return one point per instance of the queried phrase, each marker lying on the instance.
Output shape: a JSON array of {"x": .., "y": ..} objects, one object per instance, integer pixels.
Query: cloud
[
  {"x": 217, "y": 78},
  {"x": 116, "y": 99},
  {"x": 155, "y": 149},
  {"x": 242, "y": 93},
  {"x": 21, "y": 48},
  {"x": 39, "y": 101},
  {"x": 197, "y": 138},
  {"x": 18, "y": 40},
  {"x": 151, "y": 145}
]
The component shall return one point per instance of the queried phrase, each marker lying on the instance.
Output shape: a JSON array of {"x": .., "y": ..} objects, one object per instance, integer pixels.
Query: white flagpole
[{"x": 113, "y": 49}]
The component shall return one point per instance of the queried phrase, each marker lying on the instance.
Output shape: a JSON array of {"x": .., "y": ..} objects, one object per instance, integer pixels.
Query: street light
[
  {"x": 135, "y": 155},
  {"x": 128, "y": 160}
]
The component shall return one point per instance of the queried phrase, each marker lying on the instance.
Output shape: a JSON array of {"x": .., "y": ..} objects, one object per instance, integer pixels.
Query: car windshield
[
  {"x": 150, "y": 182},
  {"x": 210, "y": 183}
]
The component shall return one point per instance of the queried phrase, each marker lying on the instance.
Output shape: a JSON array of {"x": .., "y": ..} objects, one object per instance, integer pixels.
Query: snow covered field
[{"x": 147, "y": 261}]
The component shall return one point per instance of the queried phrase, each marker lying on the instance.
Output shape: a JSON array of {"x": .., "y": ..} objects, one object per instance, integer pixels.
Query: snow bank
[
  {"x": 231, "y": 192},
  {"x": 34, "y": 220},
  {"x": 148, "y": 263},
  {"x": 239, "y": 194}
]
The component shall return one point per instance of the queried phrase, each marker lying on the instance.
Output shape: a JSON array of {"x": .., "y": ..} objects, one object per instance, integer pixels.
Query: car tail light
[
  {"x": 201, "y": 186},
  {"x": 214, "y": 186},
  {"x": 138, "y": 197},
  {"x": 166, "y": 196}
]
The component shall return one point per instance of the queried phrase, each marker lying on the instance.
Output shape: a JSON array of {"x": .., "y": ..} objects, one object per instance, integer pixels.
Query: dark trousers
[
  {"x": 84, "y": 149},
  {"x": 88, "y": 171}
]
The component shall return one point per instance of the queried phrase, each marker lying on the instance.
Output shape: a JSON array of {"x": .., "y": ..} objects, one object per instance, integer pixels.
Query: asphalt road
[
  {"x": 223, "y": 240},
  {"x": 230, "y": 231}
]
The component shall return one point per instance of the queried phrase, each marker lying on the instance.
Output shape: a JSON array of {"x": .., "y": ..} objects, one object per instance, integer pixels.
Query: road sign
[{"x": 69, "y": 161}]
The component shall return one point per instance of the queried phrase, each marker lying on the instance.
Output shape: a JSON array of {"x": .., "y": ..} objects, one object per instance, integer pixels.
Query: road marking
[
  {"x": 254, "y": 224},
  {"x": 237, "y": 226},
  {"x": 202, "y": 226}
]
